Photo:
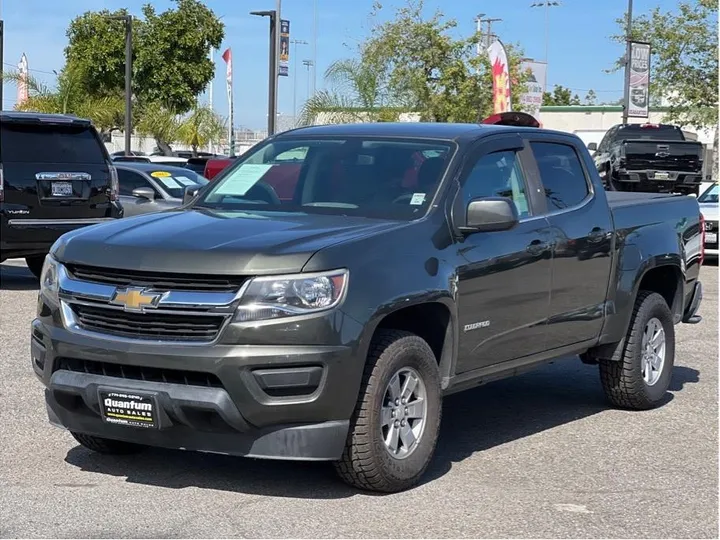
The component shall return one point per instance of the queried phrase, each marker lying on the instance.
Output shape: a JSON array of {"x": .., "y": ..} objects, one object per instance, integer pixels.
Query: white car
[{"x": 708, "y": 201}]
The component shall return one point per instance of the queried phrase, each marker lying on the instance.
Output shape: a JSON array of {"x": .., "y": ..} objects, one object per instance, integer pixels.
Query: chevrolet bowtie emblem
[{"x": 135, "y": 299}]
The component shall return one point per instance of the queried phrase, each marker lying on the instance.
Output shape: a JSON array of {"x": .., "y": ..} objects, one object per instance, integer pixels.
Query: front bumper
[{"x": 282, "y": 402}]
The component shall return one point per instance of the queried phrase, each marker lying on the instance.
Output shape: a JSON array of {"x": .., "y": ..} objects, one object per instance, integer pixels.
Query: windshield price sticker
[
  {"x": 242, "y": 179},
  {"x": 417, "y": 199}
]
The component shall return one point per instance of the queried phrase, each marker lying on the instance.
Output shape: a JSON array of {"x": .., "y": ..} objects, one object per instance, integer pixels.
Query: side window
[
  {"x": 561, "y": 174},
  {"x": 498, "y": 175},
  {"x": 129, "y": 180}
]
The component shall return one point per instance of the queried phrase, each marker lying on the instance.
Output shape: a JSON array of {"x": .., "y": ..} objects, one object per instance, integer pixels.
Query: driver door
[{"x": 504, "y": 279}]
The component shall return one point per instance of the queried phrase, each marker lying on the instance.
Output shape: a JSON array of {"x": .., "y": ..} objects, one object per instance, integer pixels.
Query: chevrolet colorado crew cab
[
  {"x": 649, "y": 157},
  {"x": 325, "y": 314},
  {"x": 55, "y": 176}
]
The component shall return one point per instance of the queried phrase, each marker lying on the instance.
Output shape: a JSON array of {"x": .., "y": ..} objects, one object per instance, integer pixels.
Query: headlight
[
  {"x": 274, "y": 297},
  {"x": 49, "y": 279}
]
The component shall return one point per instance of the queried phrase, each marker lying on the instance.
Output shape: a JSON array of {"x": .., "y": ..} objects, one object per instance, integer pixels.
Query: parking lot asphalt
[{"x": 541, "y": 455}]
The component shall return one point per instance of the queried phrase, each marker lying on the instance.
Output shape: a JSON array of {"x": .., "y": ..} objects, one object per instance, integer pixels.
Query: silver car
[
  {"x": 150, "y": 187},
  {"x": 708, "y": 201}
]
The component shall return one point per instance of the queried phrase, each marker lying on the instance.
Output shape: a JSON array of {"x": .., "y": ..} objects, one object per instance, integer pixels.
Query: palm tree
[
  {"x": 358, "y": 94},
  {"x": 200, "y": 127},
  {"x": 107, "y": 112}
]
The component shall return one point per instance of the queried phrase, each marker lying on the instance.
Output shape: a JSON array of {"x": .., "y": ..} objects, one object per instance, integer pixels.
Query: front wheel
[
  {"x": 640, "y": 379},
  {"x": 395, "y": 425},
  {"x": 102, "y": 445}
]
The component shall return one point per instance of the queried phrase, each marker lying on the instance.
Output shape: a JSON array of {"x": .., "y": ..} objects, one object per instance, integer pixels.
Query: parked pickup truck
[
  {"x": 649, "y": 157},
  {"x": 412, "y": 261}
]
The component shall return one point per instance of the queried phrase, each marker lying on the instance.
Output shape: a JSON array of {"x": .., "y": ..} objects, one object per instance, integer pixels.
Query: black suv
[{"x": 55, "y": 176}]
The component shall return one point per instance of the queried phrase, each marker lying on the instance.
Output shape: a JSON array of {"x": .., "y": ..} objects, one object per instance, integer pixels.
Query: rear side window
[
  {"x": 43, "y": 143},
  {"x": 562, "y": 175}
]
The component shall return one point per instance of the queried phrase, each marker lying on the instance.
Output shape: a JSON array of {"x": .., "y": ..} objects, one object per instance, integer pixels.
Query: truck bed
[{"x": 619, "y": 199}]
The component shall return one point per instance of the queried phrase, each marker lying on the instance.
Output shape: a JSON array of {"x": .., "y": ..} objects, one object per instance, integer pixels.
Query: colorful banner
[
  {"x": 284, "y": 47},
  {"x": 22, "y": 84},
  {"x": 227, "y": 56},
  {"x": 531, "y": 100},
  {"x": 500, "y": 77},
  {"x": 638, "y": 92}
]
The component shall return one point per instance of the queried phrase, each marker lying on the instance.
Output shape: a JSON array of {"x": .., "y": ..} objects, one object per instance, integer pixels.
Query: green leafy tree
[
  {"x": 683, "y": 63},
  {"x": 170, "y": 53},
  {"x": 416, "y": 64},
  {"x": 560, "y": 96}
]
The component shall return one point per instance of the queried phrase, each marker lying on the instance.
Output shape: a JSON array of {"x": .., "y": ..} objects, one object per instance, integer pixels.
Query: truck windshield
[{"x": 368, "y": 177}]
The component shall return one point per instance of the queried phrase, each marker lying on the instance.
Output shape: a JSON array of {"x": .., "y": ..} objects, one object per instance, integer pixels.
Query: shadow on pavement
[
  {"x": 17, "y": 278},
  {"x": 473, "y": 421}
]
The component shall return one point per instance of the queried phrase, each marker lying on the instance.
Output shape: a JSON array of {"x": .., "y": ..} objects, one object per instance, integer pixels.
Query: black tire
[
  {"x": 35, "y": 264},
  {"x": 107, "y": 446},
  {"x": 613, "y": 184},
  {"x": 366, "y": 463},
  {"x": 622, "y": 380}
]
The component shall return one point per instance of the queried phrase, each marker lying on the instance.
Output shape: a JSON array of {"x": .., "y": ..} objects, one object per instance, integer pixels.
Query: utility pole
[
  {"x": 314, "y": 46},
  {"x": 295, "y": 43},
  {"x": 628, "y": 37},
  {"x": 308, "y": 64},
  {"x": 489, "y": 36}
]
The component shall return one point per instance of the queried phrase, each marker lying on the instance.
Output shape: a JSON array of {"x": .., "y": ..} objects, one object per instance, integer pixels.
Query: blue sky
[{"x": 579, "y": 47}]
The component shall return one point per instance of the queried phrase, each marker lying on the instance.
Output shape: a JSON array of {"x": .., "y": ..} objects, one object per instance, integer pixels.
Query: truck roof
[
  {"x": 424, "y": 130},
  {"x": 28, "y": 116}
]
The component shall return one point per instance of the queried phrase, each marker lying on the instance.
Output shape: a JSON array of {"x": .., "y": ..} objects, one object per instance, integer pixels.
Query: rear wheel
[
  {"x": 35, "y": 264},
  {"x": 106, "y": 446},
  {"x": 642, "y": 376},
  {"x": 395, "y": 425}
]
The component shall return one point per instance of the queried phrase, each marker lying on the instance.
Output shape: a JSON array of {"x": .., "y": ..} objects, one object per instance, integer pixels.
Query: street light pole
[
  {"x": 272, "y": 68},
  {"x": 276, "y": 77},
  {"x": 547, "y": 4},
  {"x": 314, "y": 45},
  {"x": 628, "y": 37},
  {"x": 2, "y": 39},
  {"x": 128, "y": 83}
]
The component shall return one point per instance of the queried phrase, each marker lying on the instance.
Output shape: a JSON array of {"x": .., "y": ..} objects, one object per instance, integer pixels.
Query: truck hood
[{"x": 212, "y": 242}]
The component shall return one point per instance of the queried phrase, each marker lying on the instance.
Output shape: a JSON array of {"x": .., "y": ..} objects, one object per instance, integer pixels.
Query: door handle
[
  {"x": 536, "y": 247},
  {"x": 597, "y": 235}
]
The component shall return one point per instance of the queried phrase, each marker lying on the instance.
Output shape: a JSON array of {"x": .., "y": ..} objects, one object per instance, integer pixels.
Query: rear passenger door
[{"x": 581, "y": 229}]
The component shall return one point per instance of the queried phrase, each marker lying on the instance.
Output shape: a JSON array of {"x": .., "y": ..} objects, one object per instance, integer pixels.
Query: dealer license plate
[
  {"x": 662, "y": 176},
  {"x": 128, "y": 408},
  {"x": 62, "y": 189},
  {"x": 710, "y": 238}
]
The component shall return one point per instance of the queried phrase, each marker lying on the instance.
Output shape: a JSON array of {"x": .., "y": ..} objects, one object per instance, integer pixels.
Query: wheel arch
[{"x": 432, "y": 319}]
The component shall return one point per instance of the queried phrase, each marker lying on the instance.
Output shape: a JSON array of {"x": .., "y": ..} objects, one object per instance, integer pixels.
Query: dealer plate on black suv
[{"x": 128, "y": 408}]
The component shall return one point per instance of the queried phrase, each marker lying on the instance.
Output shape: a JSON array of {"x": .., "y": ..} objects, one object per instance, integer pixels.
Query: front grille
[
  {"x": 153, "y": 326},
  {"x": 138, "y": 373},
  {"x": 155, "y": 280}
]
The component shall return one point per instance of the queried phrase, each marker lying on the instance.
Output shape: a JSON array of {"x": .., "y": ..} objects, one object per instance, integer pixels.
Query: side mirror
[
  {"x": 189, "y": 193},
  {"x": 592, "y": 147},
  {"x": 144, "y": 193},
  {"x": 490, "y": 214}
]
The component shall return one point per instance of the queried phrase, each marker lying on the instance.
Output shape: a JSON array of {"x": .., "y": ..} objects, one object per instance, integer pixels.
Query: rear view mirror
[
  {"x": 144, "y": 193},
  {"x": 592, "y": 147},
  {"x": 190, "y": 193},
  {"x": 490, "y": 214}
]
